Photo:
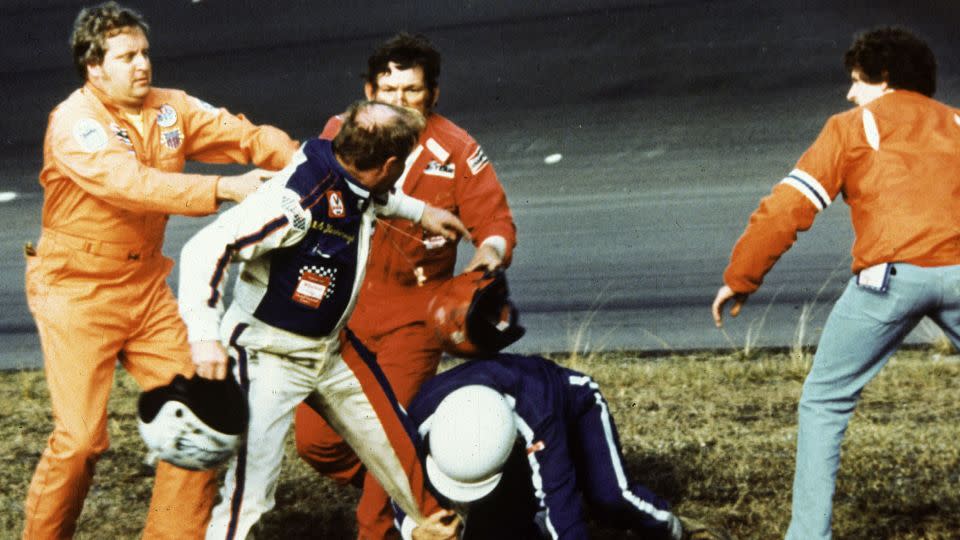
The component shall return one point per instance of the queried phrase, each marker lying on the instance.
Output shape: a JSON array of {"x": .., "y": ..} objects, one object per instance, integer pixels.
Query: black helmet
[{"x": 193, "y": 423}]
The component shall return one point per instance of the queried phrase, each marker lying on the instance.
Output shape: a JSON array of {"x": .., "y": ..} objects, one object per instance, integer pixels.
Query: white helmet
[
  {"x": 472, "y": 433},
  {"x": 193, "y": 423}
]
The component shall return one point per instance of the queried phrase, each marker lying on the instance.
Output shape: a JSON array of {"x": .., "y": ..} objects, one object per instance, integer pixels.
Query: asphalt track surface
[{"x": 673, "y": 118}]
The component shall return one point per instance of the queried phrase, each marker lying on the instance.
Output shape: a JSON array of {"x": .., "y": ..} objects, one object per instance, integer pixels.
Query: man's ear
[
  {"x": 381, "y": 175},
  {"x": 94, "y": 71},
  {"x": 368, "y": 90},
  {"x": 435, "y": 98},
  {"x": 388, "y": 164}
]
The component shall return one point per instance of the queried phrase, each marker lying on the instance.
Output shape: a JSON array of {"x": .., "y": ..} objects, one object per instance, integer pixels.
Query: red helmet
[{"x": 472, "y": 315}]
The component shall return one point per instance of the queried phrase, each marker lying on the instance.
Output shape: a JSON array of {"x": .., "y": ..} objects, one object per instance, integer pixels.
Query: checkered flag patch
[{"x": 325, "y": 272}]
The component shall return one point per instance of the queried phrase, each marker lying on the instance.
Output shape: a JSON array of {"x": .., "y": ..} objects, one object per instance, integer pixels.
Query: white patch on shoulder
[
  {"x": 438, "y": 150},
  {"x": 90, "y": 135},
  {"x": 204, "y": 105},
  {"x": 956, "y": 118},
  {"x": 870, "y": 129}
]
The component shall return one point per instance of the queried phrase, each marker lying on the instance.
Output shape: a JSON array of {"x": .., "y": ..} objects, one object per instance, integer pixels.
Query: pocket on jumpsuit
[{"x": 42, "y": 272}]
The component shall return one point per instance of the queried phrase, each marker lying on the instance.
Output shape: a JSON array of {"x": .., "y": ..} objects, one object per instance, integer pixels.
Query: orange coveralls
[
  {"x": 96, "y": 284},
  {"x": 449, "y": 170}
]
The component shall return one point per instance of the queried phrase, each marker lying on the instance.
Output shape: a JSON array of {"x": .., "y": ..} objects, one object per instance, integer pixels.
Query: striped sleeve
[
  {"x": 809, "y": 187},
  {"x": 791, "y": 208},
  {"x": 270, "y": 218}
]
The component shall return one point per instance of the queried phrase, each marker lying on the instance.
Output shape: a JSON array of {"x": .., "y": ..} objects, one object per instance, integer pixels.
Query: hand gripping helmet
[
  {"x": 472, "y": 315},
  {"x": 471, "y": 435},
  {"x": 193, "y": 423}
]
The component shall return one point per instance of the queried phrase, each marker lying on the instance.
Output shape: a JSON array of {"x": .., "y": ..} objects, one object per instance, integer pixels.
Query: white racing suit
[{"x": 302, "y": 240}]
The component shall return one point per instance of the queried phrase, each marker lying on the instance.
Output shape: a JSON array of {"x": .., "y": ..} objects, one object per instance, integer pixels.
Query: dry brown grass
[{"x": 712, "y": 433}]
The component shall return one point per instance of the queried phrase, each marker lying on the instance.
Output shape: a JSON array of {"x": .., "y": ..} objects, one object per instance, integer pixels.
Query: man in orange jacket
[
  {"x": 96, "y": 284},
  {"x": 448, "y": 169},
  {"x": 895, "y": 159}
]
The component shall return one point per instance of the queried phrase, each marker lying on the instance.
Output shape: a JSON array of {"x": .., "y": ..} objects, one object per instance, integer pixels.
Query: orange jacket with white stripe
[
  {"x": 896, "y": 161},
  {"x": 103, "y": 180}
]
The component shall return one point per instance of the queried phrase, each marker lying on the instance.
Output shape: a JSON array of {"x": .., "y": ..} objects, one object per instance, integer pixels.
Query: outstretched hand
[
  {"x": 441, "y": 525},
  {"x": 237, "y": 188},
  {"x": 485, "y": 258},
  {"x": 443, "y": 222},
  {"x": 724, "y": 295}
]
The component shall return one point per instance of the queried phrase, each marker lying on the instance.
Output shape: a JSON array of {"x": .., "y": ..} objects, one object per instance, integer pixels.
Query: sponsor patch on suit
[
  {"x": 477, "y": 161},
  {"x": 171, "y": 139},
  {"x": 435, "y": 168},
  {"x": 90, "y": 135},
  {"x": 167, "y": 116},
  {"x": 311, "y": 289},
  {"x": 122, "y": 134},
  {"x": 335, "y": 208}
]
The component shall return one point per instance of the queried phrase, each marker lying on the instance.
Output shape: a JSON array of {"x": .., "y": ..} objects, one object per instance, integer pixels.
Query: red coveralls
[
  {"x": 96, "y": 284},
  {"x": 449, "y": 170}
]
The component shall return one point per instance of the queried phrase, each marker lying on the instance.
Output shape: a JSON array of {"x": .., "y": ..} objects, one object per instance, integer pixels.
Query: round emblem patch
[
  {"x": 167, "y": 116},
  {"x": 90, "y": 135}
]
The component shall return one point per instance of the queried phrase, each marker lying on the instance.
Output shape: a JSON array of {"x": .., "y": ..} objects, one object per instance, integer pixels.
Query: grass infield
[{"x": 712, "y": 433}]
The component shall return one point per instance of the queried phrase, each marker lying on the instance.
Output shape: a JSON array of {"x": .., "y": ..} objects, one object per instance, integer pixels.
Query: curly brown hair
[
  {"x": 92, "y": 28},
  {"x": 407, "y": 51},
  {"x": 895, "y": 56}
]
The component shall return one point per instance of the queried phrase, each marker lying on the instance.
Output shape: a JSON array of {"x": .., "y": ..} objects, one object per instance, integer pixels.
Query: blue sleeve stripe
[
  {"x": 240, "y": 243},
  {"x": 809, "y": 187}
]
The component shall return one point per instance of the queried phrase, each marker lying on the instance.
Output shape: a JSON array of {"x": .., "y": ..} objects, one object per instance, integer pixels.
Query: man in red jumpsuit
[
  {"x": 449, "y": 170},
  {"x": 96, "y": 283}
]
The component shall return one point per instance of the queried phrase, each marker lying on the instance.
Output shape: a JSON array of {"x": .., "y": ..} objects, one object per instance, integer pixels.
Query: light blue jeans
[{"x": 863, "y": 330}]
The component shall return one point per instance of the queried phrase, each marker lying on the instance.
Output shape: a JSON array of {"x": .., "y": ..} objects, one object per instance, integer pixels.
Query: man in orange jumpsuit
[
  {"x": 449, "y": 170},
  {"x": 96, "y": 284},
  {"x": 895, "y": 158}
]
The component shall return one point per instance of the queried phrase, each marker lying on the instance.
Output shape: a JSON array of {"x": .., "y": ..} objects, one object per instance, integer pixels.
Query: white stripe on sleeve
[{"x": 809, "y": 187}]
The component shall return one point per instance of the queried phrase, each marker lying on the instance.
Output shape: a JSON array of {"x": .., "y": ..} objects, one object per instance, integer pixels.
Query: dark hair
[
  {"x": 92, "y": 28},
  {"x": 406, "y": 51},
  {"x": 895, "y": 56},
  {"x": 368, "y": 136}
]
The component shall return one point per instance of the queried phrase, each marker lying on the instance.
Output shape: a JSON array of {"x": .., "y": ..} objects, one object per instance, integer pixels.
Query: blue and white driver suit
[{"x": 302, "y": 240}]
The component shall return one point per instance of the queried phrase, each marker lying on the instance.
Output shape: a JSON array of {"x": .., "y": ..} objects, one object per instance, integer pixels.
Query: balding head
[{"x": 372, "y": 132}]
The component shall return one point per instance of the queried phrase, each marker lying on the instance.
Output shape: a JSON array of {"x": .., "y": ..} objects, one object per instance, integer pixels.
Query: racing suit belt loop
[{"x": 120, "y": 252}]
